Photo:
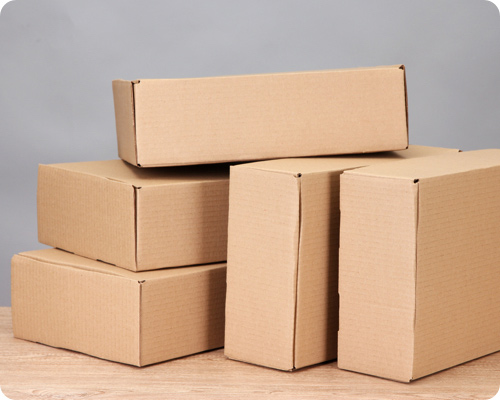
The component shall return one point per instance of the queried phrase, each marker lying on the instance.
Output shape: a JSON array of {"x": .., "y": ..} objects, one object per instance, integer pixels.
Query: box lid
[
  {"x": 434, "y": 166},
  {"x": 64, "y": 258},
  {"x": 120, "y": 171}
]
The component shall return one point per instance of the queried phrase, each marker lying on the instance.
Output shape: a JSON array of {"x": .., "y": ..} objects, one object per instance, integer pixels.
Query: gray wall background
[{"x": 58, "y": 57}]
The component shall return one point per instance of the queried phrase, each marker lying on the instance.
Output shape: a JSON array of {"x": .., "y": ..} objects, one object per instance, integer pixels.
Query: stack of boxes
[
  {"x": 116, "y": 292},
  {"x": 137, "y": 275}
]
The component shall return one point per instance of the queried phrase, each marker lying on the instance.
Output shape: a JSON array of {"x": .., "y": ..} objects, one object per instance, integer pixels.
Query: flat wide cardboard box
[
  {"x": 165, "y": 122},
  {"x": 137, "y": 318},
  {"x": 135, "y": 218},
  {"x": 420, "y": 264},
  {"x": 282, "y": 298}
]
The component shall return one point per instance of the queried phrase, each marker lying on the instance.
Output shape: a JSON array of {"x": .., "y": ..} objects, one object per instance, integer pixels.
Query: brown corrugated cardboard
[
  {"x": 282, "y": 302},
  {"x": 137, "y": 318},
  {"x": 420, "y": 264},
  {"x": 138, "y": 219},
  {"x": 164, "y": 122}
]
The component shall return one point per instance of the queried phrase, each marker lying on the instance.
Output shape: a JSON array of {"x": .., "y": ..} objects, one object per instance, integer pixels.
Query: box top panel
[
  {"x": 63, "y": 258},
  {"x": 119, "y": 170},
  {"x": 398, "y": 66},
  {"x": 436, "y": 166},
  {"x": 309, "y": 165}
]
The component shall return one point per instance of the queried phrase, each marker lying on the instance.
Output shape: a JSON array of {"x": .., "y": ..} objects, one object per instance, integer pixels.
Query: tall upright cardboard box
[
  {"x": 282, "y": 301},
  {"x": 165, "y": 122},
  {"x": 420, "y": 264}
]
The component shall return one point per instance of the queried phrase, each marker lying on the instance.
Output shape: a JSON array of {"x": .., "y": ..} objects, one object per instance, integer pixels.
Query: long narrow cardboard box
[
  {"x": 165, "y": 122},
  {"x": 282, "y": 301},
  {"x": 135, "y": 218},
  {"x": 137, "y": 318},
  {"x": 420, "y": 264}
]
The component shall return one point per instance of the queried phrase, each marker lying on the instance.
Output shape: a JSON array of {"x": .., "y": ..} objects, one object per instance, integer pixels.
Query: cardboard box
[
  {"x": 420, "y": 264},
  {"x": 137, "y": 318},
  {"x": 134, "y": 218},
  {"x": 164, "y": 122},
  {"x": 282, "y": 301}
]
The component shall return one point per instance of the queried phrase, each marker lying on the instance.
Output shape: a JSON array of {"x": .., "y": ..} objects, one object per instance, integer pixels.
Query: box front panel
[
  {"x": 262, "y": 267},
  {"x": 458, "y": 273},
  {"x": 377, "y": 275},
  {"x": 84, "y": 311},
  {"x": 87, "y": 215}
]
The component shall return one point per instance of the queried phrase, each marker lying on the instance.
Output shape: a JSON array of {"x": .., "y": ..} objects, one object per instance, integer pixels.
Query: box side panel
[
  {"x": 74, "y": 309},
  {"x": 317, "y": 286},
  {"x": 238, "y": 118},
  {"x": 377, "y": 275},
  {"x": 262, "y": 265},
  {"x": 184, "y": 224},
  {"x": 123, "y": 95},
  {"x": 182, "y": 315},
  {"x": 458, "y": 274},
  {"x": 87, "y": 215}
]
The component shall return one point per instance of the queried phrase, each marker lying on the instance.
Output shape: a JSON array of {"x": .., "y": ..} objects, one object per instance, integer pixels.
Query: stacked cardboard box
[
  {"x": 163, "y": 122},
  {"x": 137, "y": 272},
  {"x": 419, "y": 287},
  {"x": 419, "y": 261},
  {"x": 138, "y": 219},
  {"x": 117, "y": 218},
  {"x": 137, "y": 318},
  {"x": 282, "y": 302}
]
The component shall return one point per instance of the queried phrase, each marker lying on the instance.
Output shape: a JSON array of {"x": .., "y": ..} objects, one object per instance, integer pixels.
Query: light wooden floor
[{"x": 33, "y": 371}]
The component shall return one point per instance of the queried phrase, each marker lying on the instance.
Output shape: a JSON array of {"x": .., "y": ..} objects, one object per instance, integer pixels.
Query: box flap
[
  {"x": 436, "y": 166},
  {"x": 123, "y": 94}
]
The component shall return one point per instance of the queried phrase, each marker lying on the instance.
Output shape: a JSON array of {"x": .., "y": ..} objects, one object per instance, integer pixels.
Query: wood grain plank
[{"x": 33, "y": 371}]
